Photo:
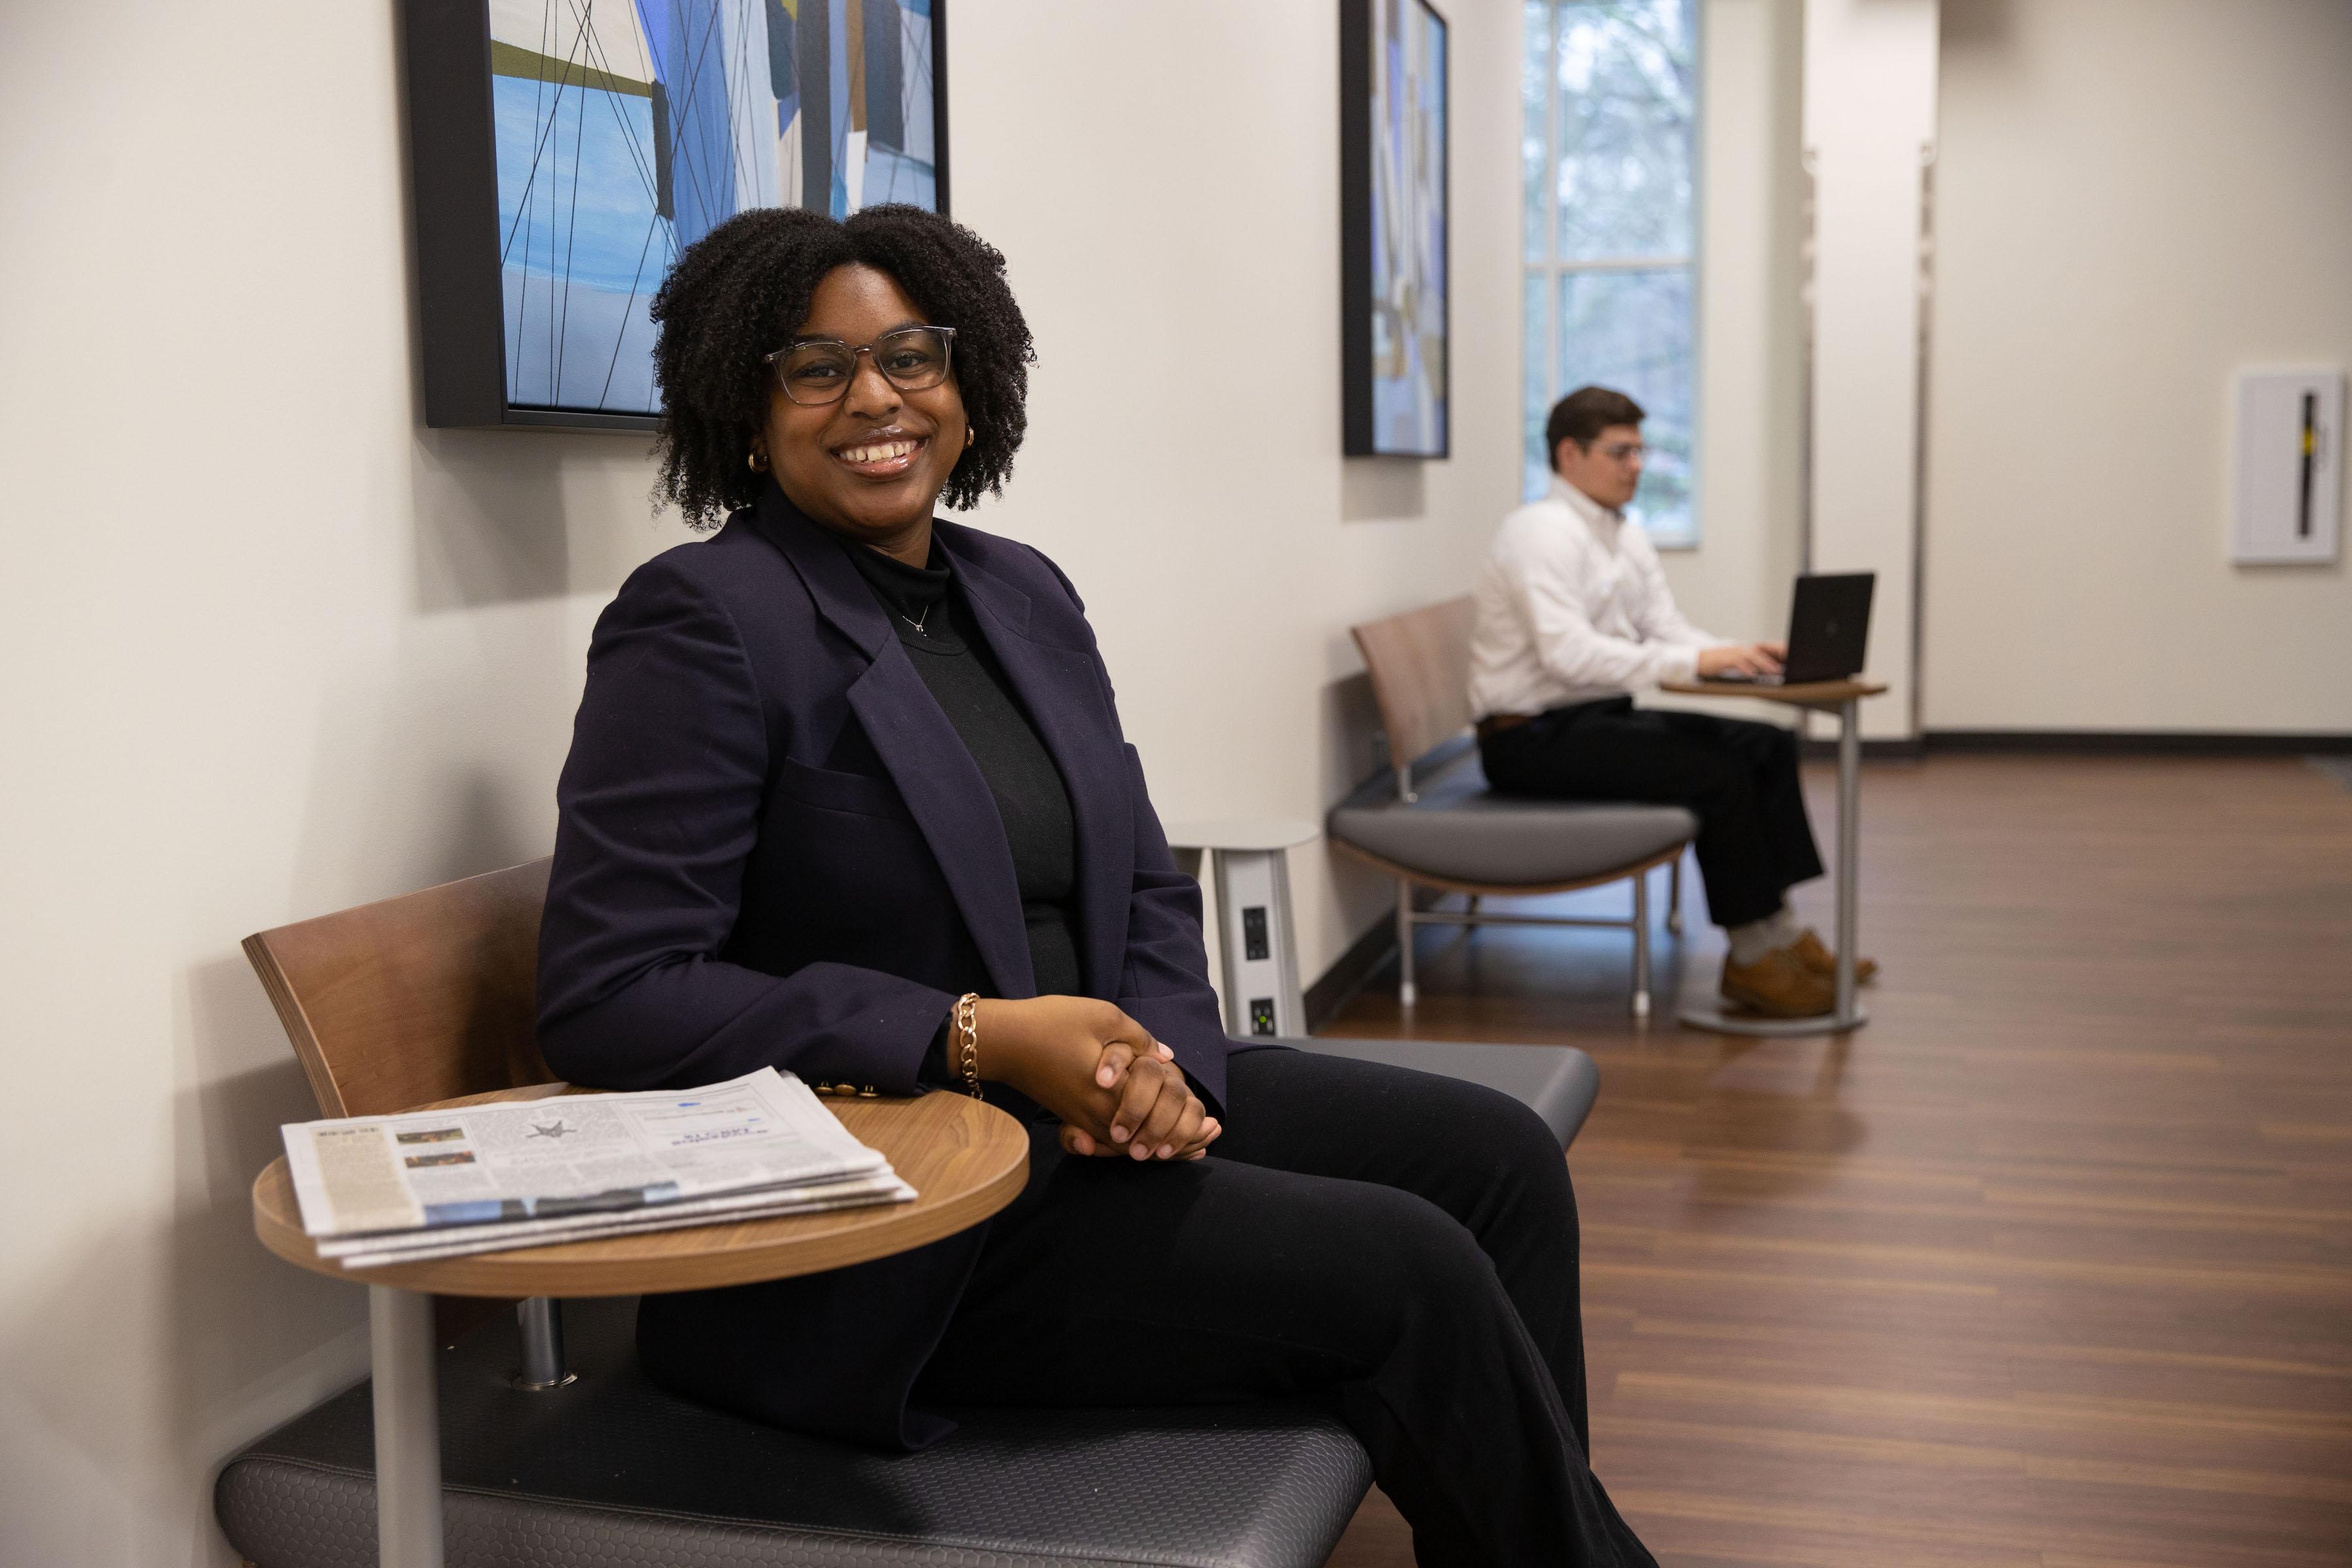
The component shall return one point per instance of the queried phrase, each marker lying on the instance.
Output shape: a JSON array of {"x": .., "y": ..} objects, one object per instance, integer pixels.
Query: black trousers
[
  {"x": 1738, "y": 778},
  {"x": 1400, "y": 1244}
]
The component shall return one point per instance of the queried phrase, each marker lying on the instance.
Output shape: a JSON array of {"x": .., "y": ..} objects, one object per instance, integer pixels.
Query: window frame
[{"x": 1552, "y": 272}]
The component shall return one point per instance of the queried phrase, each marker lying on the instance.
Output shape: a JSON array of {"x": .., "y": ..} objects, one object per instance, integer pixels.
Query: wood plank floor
[{"x": 2048, "y": 1267}]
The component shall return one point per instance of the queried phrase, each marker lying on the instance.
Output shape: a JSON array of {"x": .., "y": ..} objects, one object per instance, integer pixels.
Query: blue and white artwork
[
  {"x": 1408, "y": 194},
  {"x": 626, "y": 129}
]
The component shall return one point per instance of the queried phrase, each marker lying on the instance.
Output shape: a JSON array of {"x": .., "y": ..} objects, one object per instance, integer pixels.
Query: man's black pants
[
  {"x": 1738, "y": 778},
  {"x": 1400, "y": 1244}
]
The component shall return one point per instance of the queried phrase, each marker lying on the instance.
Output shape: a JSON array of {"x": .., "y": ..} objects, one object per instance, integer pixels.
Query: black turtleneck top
[{"x": 942, "y": 639}]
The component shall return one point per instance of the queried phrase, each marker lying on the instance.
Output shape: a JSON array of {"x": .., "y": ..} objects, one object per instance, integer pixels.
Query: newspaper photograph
[{"x": 586, "y": 1154}]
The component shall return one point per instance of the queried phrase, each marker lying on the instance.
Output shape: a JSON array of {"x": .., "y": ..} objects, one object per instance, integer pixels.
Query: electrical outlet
[
  {"x": 1254, "y": 946},
  {"x": 1261, "y": 1014}
]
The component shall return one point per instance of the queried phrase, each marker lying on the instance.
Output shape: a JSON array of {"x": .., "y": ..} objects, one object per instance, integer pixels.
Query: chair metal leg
[
  {"x": 1641, "y": 944},
  {"x": 1405, "y": 993},
  {"x": 1473, "y": 911},
  {"x": 1675, "y": 895}
]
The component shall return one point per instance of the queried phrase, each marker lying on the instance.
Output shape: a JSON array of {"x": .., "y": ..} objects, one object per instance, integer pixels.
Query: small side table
[
  {"x": 1252, "y": 863},
  {"x": 964, "y": 1158},
  {"x": 1842, "y": 698}
]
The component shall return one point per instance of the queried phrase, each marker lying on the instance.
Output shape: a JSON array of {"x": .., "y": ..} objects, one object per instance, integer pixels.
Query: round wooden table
[{"x": 965, "y": 1160}]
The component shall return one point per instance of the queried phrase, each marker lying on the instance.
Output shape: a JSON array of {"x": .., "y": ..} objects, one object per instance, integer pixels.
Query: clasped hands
[{"x": 1117, "y": 1090}]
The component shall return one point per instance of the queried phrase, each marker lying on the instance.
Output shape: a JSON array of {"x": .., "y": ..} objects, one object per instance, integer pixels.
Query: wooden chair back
[
  {"x": 419, "y": 998},
  {"x": 1419, "y": 666}
]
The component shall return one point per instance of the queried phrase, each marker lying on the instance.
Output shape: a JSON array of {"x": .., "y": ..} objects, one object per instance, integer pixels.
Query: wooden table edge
[
  {"x": 1806, "y": 694},
  {"x": 754, "y": 1250}
]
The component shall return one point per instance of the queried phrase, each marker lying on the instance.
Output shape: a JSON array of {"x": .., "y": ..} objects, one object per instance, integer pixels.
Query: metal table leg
[
  {"x": 1845, "y": 1011},
  {"x": 1406, "y": 994},
  {"x": 542, "y": 1322},
  {"x": 1848, "y": 861},
  {"x": 407, "y": 1428}
]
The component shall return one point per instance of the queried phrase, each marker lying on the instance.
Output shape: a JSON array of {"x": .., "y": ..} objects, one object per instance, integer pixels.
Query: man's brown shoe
[
  {"x": 1778, "y": 985},
  {"x": 1815, "y": 955}
]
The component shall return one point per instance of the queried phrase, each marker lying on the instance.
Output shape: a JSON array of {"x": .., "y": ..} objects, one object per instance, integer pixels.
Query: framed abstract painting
[
  {"x": 1395, "y": 279},
  {"x": 564, "y": 151}
]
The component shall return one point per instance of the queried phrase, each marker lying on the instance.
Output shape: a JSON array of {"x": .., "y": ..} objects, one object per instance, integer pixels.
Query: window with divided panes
[{"x": 1610, "y": 161}]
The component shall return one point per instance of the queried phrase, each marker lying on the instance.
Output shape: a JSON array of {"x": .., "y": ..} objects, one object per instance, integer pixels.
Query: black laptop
[{"x": 1829, "y": 630}]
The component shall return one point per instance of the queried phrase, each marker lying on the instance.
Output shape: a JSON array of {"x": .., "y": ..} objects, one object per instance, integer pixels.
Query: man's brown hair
[{"x": 1583, "y": 414}]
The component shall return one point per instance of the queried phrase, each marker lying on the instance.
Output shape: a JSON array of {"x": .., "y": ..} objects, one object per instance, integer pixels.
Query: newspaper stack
[{"x": 484, "y": 1178}]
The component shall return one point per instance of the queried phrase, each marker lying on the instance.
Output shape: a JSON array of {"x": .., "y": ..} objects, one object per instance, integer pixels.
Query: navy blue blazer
[{"x": 774, "y": 849}]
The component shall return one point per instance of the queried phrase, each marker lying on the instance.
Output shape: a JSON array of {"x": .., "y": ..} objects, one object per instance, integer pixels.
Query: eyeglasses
[
  {"x": 1623, "y": 451},
  {"x": 818, "y": 370}
]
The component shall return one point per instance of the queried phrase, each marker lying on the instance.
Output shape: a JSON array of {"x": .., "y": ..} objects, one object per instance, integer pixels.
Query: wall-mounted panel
[{"x": 2287, "y": 467}]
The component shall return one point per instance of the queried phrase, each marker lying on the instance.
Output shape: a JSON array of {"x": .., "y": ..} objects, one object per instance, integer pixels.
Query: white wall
[
  {"x": 1222, "y": 545},
  {"x": 271, "y": 651},
  {"x": 274, "y": 650},
  {"x": 2136, "y": 197},
  {"x": 1870, "y": 112}
]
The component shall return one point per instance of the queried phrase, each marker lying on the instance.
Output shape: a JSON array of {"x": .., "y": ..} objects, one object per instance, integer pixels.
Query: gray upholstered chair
[
  {"x": 1559, "y": 1083},
  {"x": 608, "y": 1470},
  {"x": 611, "y": 1472},
  {"x": 1438, "y": 824}
]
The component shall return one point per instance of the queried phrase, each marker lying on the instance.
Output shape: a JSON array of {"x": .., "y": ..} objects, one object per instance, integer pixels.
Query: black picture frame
[
  {"x": 453, "y": 169},
  {"x": 1362, "y": 25}
]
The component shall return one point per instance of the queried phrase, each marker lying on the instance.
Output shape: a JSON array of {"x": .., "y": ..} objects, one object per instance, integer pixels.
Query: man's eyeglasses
[
  {"x": 818, "y": 370},
  {"x": 1622, "y": 451}
]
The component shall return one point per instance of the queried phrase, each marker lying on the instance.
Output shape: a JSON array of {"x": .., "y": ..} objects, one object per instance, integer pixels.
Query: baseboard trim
[
  {"x": 1366, "y": 956},
  {"x": 2095, "y": 743},
  {"x": 1908, "y": 750},
  {"x": 2142, "y": 742}
]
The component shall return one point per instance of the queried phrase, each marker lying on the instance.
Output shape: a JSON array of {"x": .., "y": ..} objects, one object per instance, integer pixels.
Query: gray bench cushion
[
  {"x": 1461, "y": 831},
  {"x": 1559, "y": 1081},
  {"x": 610, "y": 1471}
]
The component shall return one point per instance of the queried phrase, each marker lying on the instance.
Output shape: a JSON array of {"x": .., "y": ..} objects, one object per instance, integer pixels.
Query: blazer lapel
[
  {"x": 943, "y": 787},
  {"x": 1066, "y": 701}
]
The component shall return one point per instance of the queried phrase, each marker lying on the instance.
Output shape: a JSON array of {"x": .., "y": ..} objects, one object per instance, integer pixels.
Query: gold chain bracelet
[{"x": 967, "y": 1029}]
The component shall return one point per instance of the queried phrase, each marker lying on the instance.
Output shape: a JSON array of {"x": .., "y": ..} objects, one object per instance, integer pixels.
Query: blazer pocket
[{"x": 833, "y": 790}]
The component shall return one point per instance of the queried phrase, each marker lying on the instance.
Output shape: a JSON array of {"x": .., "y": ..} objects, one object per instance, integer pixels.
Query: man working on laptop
[{"x": 1573, "y": 613}]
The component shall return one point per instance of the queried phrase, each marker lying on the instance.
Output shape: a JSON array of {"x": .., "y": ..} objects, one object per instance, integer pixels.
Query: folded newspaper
[{"x": 484, "y": 1178}]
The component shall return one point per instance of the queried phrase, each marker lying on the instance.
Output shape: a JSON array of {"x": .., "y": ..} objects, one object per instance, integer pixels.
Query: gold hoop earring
[
  {"x": 969, "y": 438},
  {"x": 751, "y": 461}
]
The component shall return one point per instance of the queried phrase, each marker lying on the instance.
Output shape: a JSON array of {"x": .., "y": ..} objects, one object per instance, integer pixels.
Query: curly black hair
[{"x": 741, "y": 291}]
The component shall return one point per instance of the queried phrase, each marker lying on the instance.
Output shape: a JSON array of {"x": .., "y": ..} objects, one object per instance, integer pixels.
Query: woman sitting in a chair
[{"x": 847, "y": 795}]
